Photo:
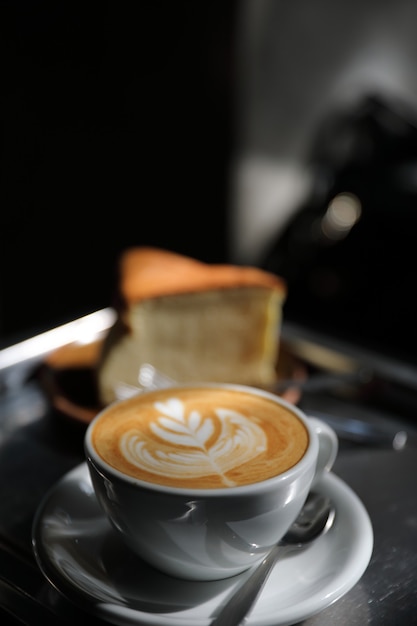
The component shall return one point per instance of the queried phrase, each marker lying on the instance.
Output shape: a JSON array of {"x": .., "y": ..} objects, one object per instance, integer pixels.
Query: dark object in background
[{"x": 350, "y": 253}]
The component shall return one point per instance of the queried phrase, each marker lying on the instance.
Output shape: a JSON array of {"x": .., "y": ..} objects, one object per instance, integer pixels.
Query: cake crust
[{"x": 151, "y": 272}]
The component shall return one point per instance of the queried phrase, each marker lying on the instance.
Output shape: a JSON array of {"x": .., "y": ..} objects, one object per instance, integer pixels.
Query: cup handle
[{"x": 328, "y": 447}]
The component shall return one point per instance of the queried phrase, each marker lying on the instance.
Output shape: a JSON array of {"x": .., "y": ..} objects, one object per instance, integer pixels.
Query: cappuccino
[{"x": 200, "y": 437}]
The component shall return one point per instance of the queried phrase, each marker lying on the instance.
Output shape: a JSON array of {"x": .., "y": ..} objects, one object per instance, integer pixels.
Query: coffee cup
[{"x": 202, "y": 480}]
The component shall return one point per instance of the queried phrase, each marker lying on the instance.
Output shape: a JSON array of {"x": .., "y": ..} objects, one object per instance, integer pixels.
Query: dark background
[{"x": 116, "y": 129}]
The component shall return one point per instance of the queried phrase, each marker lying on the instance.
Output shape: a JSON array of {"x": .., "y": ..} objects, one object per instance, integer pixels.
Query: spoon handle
[{"x": 241, "y": 601}]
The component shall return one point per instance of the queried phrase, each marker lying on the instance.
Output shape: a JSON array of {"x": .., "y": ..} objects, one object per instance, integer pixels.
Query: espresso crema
[{"x": 200, "y": 437}]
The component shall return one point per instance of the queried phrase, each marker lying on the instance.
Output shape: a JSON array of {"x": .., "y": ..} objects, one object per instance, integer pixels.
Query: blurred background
[
  {"x": 115, "y": 130},
  {"x": 276, "y": 133},
  {"x": 325, "y": 180}
]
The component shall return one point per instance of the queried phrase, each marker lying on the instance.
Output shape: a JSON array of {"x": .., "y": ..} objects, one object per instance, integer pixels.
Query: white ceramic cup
[{"x": 208, "y": 533}]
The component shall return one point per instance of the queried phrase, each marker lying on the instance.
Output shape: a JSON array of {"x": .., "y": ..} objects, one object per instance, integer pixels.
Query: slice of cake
[{"x": 191, "y": 320}]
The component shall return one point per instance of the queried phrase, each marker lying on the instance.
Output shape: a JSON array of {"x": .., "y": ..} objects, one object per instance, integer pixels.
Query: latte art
[
  {"x": 203, "y": 453},
  {"x": 200, "y": 437}
]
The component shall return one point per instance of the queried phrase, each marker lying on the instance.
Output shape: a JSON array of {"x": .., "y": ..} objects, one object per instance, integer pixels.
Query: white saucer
[{"x": 80, "y": 554}]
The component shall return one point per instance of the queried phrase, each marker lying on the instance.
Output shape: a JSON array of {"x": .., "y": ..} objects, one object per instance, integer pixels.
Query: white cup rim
[{"x": 307, "y": 460}]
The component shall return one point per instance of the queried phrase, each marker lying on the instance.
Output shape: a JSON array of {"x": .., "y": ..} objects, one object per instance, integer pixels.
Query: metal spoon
[{"x": 316, "y": 518}]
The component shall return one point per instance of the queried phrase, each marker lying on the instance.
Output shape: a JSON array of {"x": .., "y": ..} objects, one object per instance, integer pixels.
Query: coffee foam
[{"x": 200, "y": 437}]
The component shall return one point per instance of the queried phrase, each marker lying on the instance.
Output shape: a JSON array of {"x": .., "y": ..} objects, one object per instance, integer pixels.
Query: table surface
[{"x": 38, "y": 446}]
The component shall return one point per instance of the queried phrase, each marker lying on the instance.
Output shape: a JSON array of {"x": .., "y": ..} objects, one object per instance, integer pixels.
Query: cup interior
[{"x": 306, "y": 460}]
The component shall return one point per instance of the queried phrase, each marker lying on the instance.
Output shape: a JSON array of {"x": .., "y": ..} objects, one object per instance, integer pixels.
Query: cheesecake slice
[{"x": 191, "y": 320}]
